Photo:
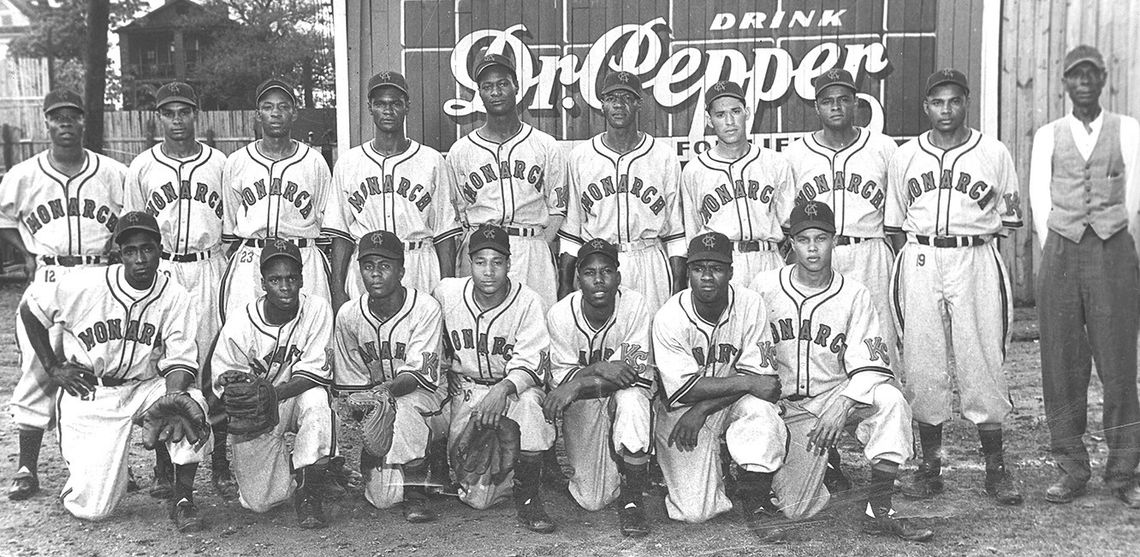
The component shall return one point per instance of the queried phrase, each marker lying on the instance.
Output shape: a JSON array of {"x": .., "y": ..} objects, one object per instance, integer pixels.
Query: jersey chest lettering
[
  {"x": 102, "y": 332},
  {"x": 488, "y": 173},
  {"x": 724, "y": 194},
  {"x": 54, "y": 209},
  {"x": 371, "y": 351},
  {"x": 291, "y": 192},
  {"x": 816, "y": 333},
  {"x": 464, "y": 339},
  {"x": 978, "y": 191},
  {"x": 852, "y": 183},
  {"x": 282, "y": 355},
  {"x": 372, "y": 186},
  {"x": 719, "y": 354},
  {"x": 168, "y": 195},
  {"x": 647, "y": 195}
]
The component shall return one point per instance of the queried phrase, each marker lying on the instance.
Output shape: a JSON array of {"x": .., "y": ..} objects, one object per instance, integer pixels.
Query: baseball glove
[
  {"x": 250, "y": 403},
  {"x": 485, "y": 453},
  {"x": 376, "y": 410},
  {"x": 172, "y": 418}
]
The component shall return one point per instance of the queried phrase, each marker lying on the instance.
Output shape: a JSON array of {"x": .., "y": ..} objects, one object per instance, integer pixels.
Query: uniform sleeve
[
  {"x": 445, "y": 219},
  {"x": 337, "y": 217},
  {"x": 47, "y": 301},
  {"x": 753, "y": 360},
  {"x": 10, "y": 188},
  {"x": 1009, "y": 206},
  {"x": 178, "y": 337},
  {"x": 895, "y": 213},
  {"x": 635, "y": 345},
  {"x": 672, "y": 227},
  {"x": 327, "y": 200},
  {"x": 676, "y": 368},
  {"x": 530, "y": 356},
  {"x": 454, "y": 166},
  {"x": 785, "y": 191},
  {"x": 554, "y": 180},
  {"x": 118, "y": 181},
  {"x": 231, "y": 203},
  {"x": 690, "y": 209},
  {"x": 866, "y": 359},
  {"x": 316, "y": 357},
  {"x": 350, "y": 373},
  {"x": 1040, "y": 176},
  {"x": 133, "y": 196},
  {"x": 571, "y": 230},
  {"x": 422, "y": 354},
  {"x": 563, "y": 350},
  {"x": 229, "y": 351}
]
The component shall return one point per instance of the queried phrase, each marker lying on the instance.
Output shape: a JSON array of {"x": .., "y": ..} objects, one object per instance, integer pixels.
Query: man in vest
[{"x": 1083, "y": 190}]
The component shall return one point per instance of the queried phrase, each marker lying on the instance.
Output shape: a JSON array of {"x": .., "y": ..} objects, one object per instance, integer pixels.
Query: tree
[{"x": 95, "y": 64}]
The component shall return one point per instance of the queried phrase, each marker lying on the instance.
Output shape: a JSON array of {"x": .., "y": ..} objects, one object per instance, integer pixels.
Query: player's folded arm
[
  {"x": 318, "y": 380},
  {"x": 861, "y": 383},
  {"x": 422, "y": 381},
  {"x": 673, "y": 401},
  {"x": 523, "y": 378}
]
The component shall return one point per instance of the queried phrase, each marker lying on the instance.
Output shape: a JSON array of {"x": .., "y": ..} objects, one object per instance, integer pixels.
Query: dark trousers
[{"x": 1088, "y": 303}]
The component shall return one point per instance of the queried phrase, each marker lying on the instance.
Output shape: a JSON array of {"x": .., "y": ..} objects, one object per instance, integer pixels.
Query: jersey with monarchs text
[
  {"x": 747, "y": 199},
  {"x": 371, "y": 351},
  {"x": 265, "y": 198},
  {"x": 184, "y": 195},
  {"x": 576, "y": 344}
]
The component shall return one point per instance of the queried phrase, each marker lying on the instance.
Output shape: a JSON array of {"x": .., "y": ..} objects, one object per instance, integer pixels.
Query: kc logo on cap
[
  {"x": 385, "y": 76},
  {"x": 597, "y": 243},
  {"x": 833, "y": 74},
  {"x": 810, "y": 209},
  {"x": 948, "y": 72},
  {"x": 719, "y": 86},
  {"x": 709, "y": 242},
  {"x": 377, "y": 237},
  {"x": 623, "y": 77},
  {"x": 133, "y": 218},
  {"x": 280, "y": 244},
  {"x": 488, "y": 233}
]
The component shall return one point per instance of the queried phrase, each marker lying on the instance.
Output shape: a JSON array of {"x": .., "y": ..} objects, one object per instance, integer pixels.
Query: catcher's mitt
[
  {"x": 485, "y": 453},
  {"x": 172, "y": 418},
  {"x": 376, "y": 410},
  {"x": 250, "y": 403}
]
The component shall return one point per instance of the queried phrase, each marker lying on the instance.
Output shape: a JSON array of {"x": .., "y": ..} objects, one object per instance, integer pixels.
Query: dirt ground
[{"x": 965, "y": 521}]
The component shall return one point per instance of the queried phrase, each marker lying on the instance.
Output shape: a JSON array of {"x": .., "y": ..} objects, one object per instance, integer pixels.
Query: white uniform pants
[
  {"x": 202, "y": 279},
  {"x": 746, "y": 265},
  {"x": 647, "y": 271},
  {"x": 869, "y": 263},
  {"x": 596, "y": 432},
  {"x": 420, "y": 419},
  {"x": 241, "y": 283},
  {"x": 532, "y": 264}
]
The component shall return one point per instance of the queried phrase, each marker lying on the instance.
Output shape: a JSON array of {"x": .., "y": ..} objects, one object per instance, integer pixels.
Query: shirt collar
[{"x": 1079, "y": 126}]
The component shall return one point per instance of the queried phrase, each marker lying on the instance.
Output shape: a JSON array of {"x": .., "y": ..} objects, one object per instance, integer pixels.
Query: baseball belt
[
  {"x": 188, "y": 257},
  {"x": 106, "y": 381},
  {"x": 70, "y": 260},
  {"x": 950, "y": 241},
  {"x": 749, "y": 246},
  {"x": 260, "y": 242},
  {"x": 846, "y": 240},
  {"x": 638, "y": 245},
  {"x": 524, "y": 231}
]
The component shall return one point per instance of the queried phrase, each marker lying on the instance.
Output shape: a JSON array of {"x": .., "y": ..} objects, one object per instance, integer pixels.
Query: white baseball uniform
[
  {"x": 488, "y": 345},
  {"x": 749, "y": 200},
  {"x": 301, "y": 347},
  {"x": 825, "y": 345},
  {"x": 407, "y": 194},
  {"x": 621, "y": 421},
  {"x": 632, "y": 201},
  {"x": 67, "y": 224},
  {"x": 185, "y": 197},
  {"x": 371, "y": 351},
  {"x": 853, "y": 182},
  {"x": 964, "y": 197},
  {"x": 687, "y": 348},
  {"x": 266, "y": 199},
  {"x": 517, "y": 184},
  {"x": 119, "y": 333}
]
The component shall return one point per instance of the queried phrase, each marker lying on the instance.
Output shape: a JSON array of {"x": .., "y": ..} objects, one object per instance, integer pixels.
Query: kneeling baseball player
[
  {"x": 272, "y": 364},
  {"x": 495, "y": 334},
  {"x": 114, "y": 321},
  {"x": 706, "y": 348},
  {"x": 599, "y": 343},
  {"x": 387, "y": 345},
  {"x": 825, "y": 340}
]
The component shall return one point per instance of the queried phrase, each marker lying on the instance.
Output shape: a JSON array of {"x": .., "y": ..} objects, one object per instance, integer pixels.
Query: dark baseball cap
[
  {"x": 1083, "y": 53},
  {"x": 710, "y": 246},
  {"x": 948, "y": 75},
  {"x": 175, "y": 91},
  {"x": 621, "y": 81},
  {"x": 834, "y": 76},
  {"x": 62, "y": 98},
  {"x": 598, "y": 246},
  {"x": 136, "y": 220},
  {"x": 280, "y": 247},
  {"x": 489, "y": 236},
  {"x": 388, "y": 79},
  {"x": 724, "y": 89},
  {"x": 812, "y": 214},
  {"x": 488, "y": 61},
  {"x": 382, "y": 243},
  {"x": 275, "y": 83}
]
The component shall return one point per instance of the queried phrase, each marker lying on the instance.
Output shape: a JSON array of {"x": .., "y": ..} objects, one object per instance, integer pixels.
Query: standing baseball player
[
  {"x": 714, "y": 383},
  {"x": 59, "y": 209},
  {"x": 128, "y": 339},
  {"x": 1084, "y": 193},
  {"x": 512, "y": 175},
  {"x": 284, "y": 337},
  {"x": 741, "y": 190},
  {"x": 599, "y": 351},
  {"x": 951, "y": 192},
  {"x": 275, "y": 188},
  {"x": 179, "y": 182},
  {"x": 825, "y": 342},
  {"x": 389, "y": 338},
  {"x": 395, "y": 184},
  {"x": 496, "y": 337},
  {"x": 623, "y": 188}
]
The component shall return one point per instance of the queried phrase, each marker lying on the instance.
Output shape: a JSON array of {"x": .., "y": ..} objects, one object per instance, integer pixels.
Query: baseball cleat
[
  {"x": 1129, "y": 495},
  {"x": 901, "y": 528},
  {"x": 184, "y": 515},
  {"x": 836, "y": 481},
  {"x": 633, "y": 523},
  {"x": 223, "y": 480},
  {"x": 533, "y": 517},
  {"x": 416, "y": 510},
  {"x": 163, "y": 485},
  {"x": 1065, "y": 490},
  {"x": 923, "y": 484},
  {"x": 1000, "y": 486},
  {"x": 24, "y": 485},
  {"x": 310, "y": 514}
]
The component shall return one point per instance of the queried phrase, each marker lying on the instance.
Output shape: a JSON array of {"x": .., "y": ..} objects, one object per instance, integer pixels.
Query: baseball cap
[
  {"x": 175, "y": 91},
  {"x": 280, "y": 248},
  {"x": 947, "y": 75},
  {"x": 598, "y": 246},
  {"x": 621, "y": 81},
  {"x": 388, "y": 79},
  {"x": 382, "y": 243},
  {"x": 723, "y": 89},
  {"x": 278, "y": 84},
  {"x": 812, "y": 214},
  {"x": 710, "y": 246},
  {"x": 62, "y": 98},
  {"x": 136, "y": 220},
  {"x": 489, "y": 236},
  {"x": 489, "y": 61},
  {"x": 834, "y": 76},
  {"x": 1083, "y": 53}
]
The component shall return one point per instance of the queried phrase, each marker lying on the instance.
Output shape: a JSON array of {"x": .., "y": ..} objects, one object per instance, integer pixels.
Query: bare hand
[
  {"x": 487, "y": 411},
  {"x": 618, "y": 373},
  {"x": 827, "y": 430},
  {"x": 764, "y": 387},
  {"x": 558, "y": 400},
  {"x": 67, "y": 375},
  {"x": 685, "y": 433}
]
